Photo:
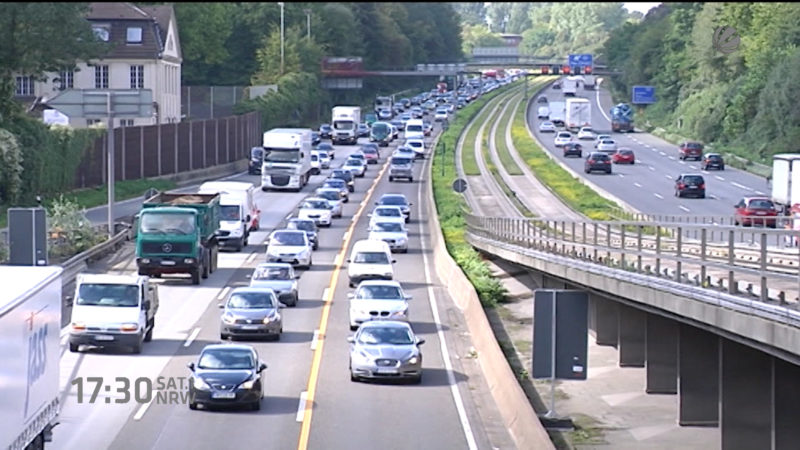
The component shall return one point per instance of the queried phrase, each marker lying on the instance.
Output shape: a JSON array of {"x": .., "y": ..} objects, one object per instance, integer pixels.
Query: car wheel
[
  {"x": 703, "y": 196},
  {"x": 223, "y": 337},
  {"x": 193, "y": 406},
  {"x": 256, "y": 406},
  {"x": 196, "y": 275},
  {"x": 295, "y": 298},
  {"x": 277, "y": 336},
  {"x": 391, "y": 179},
  {"x": 410, "y": 179},
  {"x": 722, "y": 167},
  {"x": 417, "y": 379},
  {"x": 73, "y": 347}
]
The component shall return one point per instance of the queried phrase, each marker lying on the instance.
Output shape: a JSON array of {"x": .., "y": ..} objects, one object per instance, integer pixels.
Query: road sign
[
  {"x": 460, "y": 185},
  {"x": 643, "y": 95},
  {"x": 581, "y": 59},
  {"x": 94, "y": 103}
]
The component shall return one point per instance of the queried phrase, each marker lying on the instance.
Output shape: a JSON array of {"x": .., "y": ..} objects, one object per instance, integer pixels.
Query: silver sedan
[
  {"x": 385, "y": 349},
  {"x": 251, "y": 312}
]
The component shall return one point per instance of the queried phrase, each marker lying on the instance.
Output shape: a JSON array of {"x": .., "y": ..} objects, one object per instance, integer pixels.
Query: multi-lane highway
[
  {"x": 649, "y": 184},
  {"x": 310, "y": 400}
]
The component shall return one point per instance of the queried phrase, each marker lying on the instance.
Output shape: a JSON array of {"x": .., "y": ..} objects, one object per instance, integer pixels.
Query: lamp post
[
  {"x": 281, "y": 5},
  {"x": 308, "y": 23}
]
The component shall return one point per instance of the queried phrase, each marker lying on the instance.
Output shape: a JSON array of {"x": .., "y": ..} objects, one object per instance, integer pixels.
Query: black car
[
  {"x": 573, "y": 149},
  {"x": 347, "y": 176},
  {"x": 712, "y": 160},
  {"x": 226, "y": 375},
  {"x": 325, "y": 131},
  {"x": 256, "y": 160},
  {"x": 541, "y": 99},
  {"x": 307, "y": 225},
  {"x": 315, "y": 139},
  {"x": 597, "y": 161},
  {"x": 690, "y": 185},
  {"x": 398, "y": 200}
]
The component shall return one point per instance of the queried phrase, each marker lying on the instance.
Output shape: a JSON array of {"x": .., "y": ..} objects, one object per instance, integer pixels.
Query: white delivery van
[
  {"x": 415, "y": 129},
  {"x": 544, "y": 112},
  {"x": 370, "y": 260},
  {"x": 239, "y": 212}
]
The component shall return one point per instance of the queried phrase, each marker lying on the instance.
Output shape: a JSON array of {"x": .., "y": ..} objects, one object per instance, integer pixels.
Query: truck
[
  {"x": 239, "y": 213},
  {"x": 786, "y": 181},
  {"x": 621, "y": 118},
  {"x": 345, "y": 124},
  {"x": 558, "y": 113},
  {"x": 287, "y": 159},
  {"x": 177, "y": 233},
  {"x": 30, "y": 323},
  {"x": 111, "y": 310},
  {"x": 383, "y": 102},
  {"x": 570, "y": 86},
  {"x": 589, "y": 82},
  {"x": 579, "y": 114}
]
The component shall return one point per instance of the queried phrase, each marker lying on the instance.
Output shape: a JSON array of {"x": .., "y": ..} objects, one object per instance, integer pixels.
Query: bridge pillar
[
  {"x": 632, "y": 335},
  {"x": 698, "y": 377},
  {"x": 747, "y": 401},
  {"x": 787, "y": 397},
  {"x": 662, "y": 355},
  {"x": 604, "y": 320}
]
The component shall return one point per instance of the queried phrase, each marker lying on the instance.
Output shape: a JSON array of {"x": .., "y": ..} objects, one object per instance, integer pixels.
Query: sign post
[{"x": 105, "y": 104}]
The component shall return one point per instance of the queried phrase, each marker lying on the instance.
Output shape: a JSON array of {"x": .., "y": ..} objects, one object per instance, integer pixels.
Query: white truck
[
  {"x": 345, "y": 124},
  {"x": 558, "y": 113},
  {"x": 113, "y": 311},
  {"x": 589, "y": 82},
  {"x": 239, "y": 214},
  {"x": 786, "y": 180},
  {"x": 30, "y": 323},
  {"x": 287, "y": 159},
  {"x": 569, "y": 86},
  {"x": 579, "y": 114}
]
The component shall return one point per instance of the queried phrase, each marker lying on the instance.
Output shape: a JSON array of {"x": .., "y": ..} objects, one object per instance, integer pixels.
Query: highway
[
  {"x": 310, "y": 401},
  {"x": 649, "y": 184}
]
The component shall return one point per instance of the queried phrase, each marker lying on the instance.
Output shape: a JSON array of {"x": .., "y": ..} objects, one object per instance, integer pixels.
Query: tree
[
  {"x": 472, "y": 13},
  {"x": 478, "y": 36},
  {"x": 518, "y": 18},
  {"x": 204, "y": 30},
  {"x": 338, "y": 33},
  {"x": 498, "y": 14}
]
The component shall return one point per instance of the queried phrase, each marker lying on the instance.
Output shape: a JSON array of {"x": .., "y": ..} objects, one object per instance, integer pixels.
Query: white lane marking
[
  {"x": 658, "y": 196},
  {"x": 648, "y": 146},
  {"x": 683, "y": 208},
  {"x": 713, "y": 197},
  {"x": 668, "y": 176},
  {"x": 682, "y": 162},
  {"x": 249, "y": 259},
  {"x": 620, "y": 175},
  {"x": 315, "y": 339},
  {"x": 740, "y": 186},
  {"x": 192, "y": 337},
  {"x": 652, "y": 168},
  {"x": 715, "y": 176},
  {"x": 654, "y": 150},
  {"x": 223, "y": 293},
  {"x": 757, "y": 192},
  {"x": 693, "y": 167},
  {"x": 602, "y": 110},
  {"x": 662, "y": 153},
  {"x": 287, "y": 217},
  {"x": 451, "y": 379},
  {"x": 142, "y": 410},
  {"x": 301, "y": 406},
  {"x": 637, "y": 185},
  {"x": 672, "y": 158}
]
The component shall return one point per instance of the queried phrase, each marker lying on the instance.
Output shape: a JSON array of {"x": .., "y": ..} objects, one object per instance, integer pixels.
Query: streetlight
[
  {"x": 281, "y": 5},
  {"x": 308, "y": 22}
]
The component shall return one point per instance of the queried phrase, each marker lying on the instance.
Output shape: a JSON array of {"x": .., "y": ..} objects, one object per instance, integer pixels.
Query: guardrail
[{"x": 75, "y": 265}]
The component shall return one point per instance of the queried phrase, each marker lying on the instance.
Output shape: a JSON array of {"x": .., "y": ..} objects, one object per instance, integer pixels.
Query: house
[{"x": 145, "y": 54}]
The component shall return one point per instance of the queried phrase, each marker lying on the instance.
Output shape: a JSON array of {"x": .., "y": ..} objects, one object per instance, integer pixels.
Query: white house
[{"x": 145, "y": 54}]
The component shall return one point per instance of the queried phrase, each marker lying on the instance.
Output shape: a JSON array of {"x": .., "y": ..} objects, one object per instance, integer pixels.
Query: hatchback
[
  {"x": 562, "y": 137},
  {"x": 597, "y": 161},
  {"x": 307, "y": 225},
  {"x": 690, "y": 184},
  {"x": 623, "y": 156},
  {"x": 547, "y": 127},
  {"x": 347, "y": 176},
  {"x": 690, "y": 150},
  {"x": 251, "y": 312},
  {"x": 607, "y": 145},
  {"x": 377, "y": 299},
  {"x": 756, "y": 211},
  {"x": 325, "y": 131},
  {"x": 573, "y": 149},
  {"x": 712, "y": 160},
  {"x": 396, "y": 200},
  {"x": 227, "y": 374},
  {"x": 281, "y": 278},
  {"x": 362, "y": 130}
]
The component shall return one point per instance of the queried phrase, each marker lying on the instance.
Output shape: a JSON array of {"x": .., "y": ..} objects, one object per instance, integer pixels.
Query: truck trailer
[
  {"x": 786, "y": 180},
  {"x": 30, "y": 324},
  {"x": 579, "y": 114}
]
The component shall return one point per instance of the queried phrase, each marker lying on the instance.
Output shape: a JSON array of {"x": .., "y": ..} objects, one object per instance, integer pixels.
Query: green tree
[
  {"x": 470, "y": 13},
  {"x": 204, "y": 30},
  {"x": 338, "y": 33}
]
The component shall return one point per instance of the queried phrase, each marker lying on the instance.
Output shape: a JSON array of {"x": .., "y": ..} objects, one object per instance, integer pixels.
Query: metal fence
[{"x": 208, "y": 102}]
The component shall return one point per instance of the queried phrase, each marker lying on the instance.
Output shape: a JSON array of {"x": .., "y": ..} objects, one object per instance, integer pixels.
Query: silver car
[
  {"x": 334, "y": 198},
  {"x": 251, "y": 312},
  {"x": 280, "y": 277},
  {"x": 377, "y": 299},
  {"x": 385, "y": 349},
  {"x": 340, "y": 185},
  {"x": 393, "y": 233},
  {"x": 290, "y": 246}
]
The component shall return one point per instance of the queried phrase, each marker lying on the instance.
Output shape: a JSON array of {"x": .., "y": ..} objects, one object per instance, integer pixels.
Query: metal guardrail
[{"x": 75, "y": 265}]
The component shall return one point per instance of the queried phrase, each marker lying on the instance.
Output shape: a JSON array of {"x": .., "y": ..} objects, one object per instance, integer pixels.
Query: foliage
[
  {"x": 299, "y": 55},
  {"x": 70, "y": 230},
  {"x": 478, "y": 36},
  {"x": 298, "y": 95},
  {"x": 471, "y": 13},
  {"x": 11, "y": 161},
  {"x": 204, "y": 29}
]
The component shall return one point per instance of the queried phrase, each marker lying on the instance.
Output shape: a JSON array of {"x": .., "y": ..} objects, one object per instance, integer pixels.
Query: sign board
[
  {"x": 569, "y": 325},
  {"x": 582, "y": 60},
  {"x": 97, "y": 103},
  {"x": 460, "y": 185},
  {"x": 27, "y": 233},
  {"x": 643, "y": 95}
]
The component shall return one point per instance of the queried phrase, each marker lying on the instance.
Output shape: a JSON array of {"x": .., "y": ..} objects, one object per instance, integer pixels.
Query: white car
[
  {"x": 607, "y": 146},
  {"x": 315, "y": 164},
  {"x": 386, "y": 214},
  {"x": 324, "y": 160},
  {"x": 393, "y": 233},
  {"x": 405, "y": 151},
  {"x": 562, "y": 138},
  {"x": 334, "y": 198},
  {"x": 441, "y": 114},
  {"x": 599, "y": 138},
  {"x": 547, "y": 127},
  {"x": 289, "y": 246},
  {"x": 317, "y": 209},
  {"x": 586, "y": 133},
  {"x": 418, "y": 145},
  {"x": 377, "y": 300},
  {"x": 356, "y": 166}
]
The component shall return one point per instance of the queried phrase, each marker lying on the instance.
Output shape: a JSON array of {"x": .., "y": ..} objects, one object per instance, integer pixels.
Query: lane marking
[
  {"x": 683, "y": 208},
  {"x": 658, "y": 196},
  {"x": 672, "y": 158},
  {"x": 314, "y": 340},
  {"x": 668, "y": 176},
  {"x": 599, "y": 106},
  {"x": 637, "y": 185},
  {"x": 740, "y": 186},
  {"x": 662, "y": 153},
  {"x": 301, "y": 407},
  {"x": 286, "y": 218},
  {"x": 693, "y": 167},
  {"x": 652, "y": 168},
  {"x": 621, "y": 175},
  {"x": 682, "y": 162},
  {"x": 251, "y": 258},
  {"x": 192, "y": 337},
  {"x": 223, "y": 293},
  {"x": 719, "y": 178},
  {"x": 142, "y": 410},
  {"x": 760, "y": 193},
  {"x": 327, "y": 290},
  {"x": 713, "y": 197},
  {"x": 653, "y": 150}
]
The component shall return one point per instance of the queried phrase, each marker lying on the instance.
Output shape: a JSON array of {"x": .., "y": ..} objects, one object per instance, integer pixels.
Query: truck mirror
[
  {"x": 190, "y": 366},
  {"x": 146, "y": 305},
  {"x": 248, "y": 218}
]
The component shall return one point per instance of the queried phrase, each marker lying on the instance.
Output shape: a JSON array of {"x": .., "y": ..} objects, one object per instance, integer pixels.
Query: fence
[
  {"x": 208, "y": 102},
  {"x": 165, "y": 149}
]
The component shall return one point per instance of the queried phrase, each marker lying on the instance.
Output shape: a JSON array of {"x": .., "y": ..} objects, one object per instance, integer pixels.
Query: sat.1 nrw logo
[{"x": 726, "y": 40}]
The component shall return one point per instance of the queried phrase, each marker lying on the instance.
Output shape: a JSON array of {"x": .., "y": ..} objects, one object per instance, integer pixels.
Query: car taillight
[
  {"x": 607, "y": 161},
  {"x": 681, "y": 185},
  {"x": 591, "y": 161},
  {"x": 702, "y": 186}
]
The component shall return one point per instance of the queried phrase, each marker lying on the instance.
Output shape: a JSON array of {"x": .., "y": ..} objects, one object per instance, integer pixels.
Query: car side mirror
[
  {"x": 408, "y": 297},
  {"x": 221, "y": 305},
  {"x": 190, "y": 366},
  {"x": 350, "y": 339},
  {"x": 420, "y": 341},
  {"x": 394, "y": 261},
  {"x": 262, "y": 367},
  {"x": 410, "y": 204},
  {"x": 297, "y": 276}
]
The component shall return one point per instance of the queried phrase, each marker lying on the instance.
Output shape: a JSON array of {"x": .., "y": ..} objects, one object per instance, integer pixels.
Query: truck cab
[{"x": 113, "y": 311}]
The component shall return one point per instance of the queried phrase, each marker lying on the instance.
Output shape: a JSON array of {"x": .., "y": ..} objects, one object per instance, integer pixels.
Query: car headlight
[
  {"x": 388, "y": 274},
  {"x": 228, "y": 318},
  {"x": 363, "y": 356},
  {"x": 272, "y": 251},
  {"x": 249, "y": 384},
  {"x": 402, "y": 240},
  {"x": 271, "y": 318},
  {"x": 413, "y": 360},
  {"x": 200, "y": 384},
  {"x": 400, "y": 313}
]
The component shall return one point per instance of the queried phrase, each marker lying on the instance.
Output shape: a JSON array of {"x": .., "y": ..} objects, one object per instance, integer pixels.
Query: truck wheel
[
  {"x": 205, "y": 273},
  {"x": 149, "y": 336},
  {"x": 215, "y": 259},
  {"x": 196, "y": 275}
]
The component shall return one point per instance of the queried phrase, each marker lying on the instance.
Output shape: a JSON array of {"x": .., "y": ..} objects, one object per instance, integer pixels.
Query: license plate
[
  {"x": 760, "y": 213},
  {"x": 223, "y": 395},
  {"x": 385, "y": 370},
  {"x": 103, "y": 337},
  {"x": 250, "y": 327},
  {"x": 692, "y": 187},
  {"x": 167, "y": 263}
]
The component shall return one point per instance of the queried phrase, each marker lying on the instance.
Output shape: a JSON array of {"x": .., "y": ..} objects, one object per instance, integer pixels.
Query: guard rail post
[
  {"x": 764, "y": 291},
  {"x": 583, "y": 239},
  {"x": 574, "y": 240},
  {"x": 639, "y": 248},
  {"x": 732, "y": 288},
  {"x": 594, "y": 238},
  {"x": 622, "y": 246},
  {"x": 703, "y": 257},
  {"x": 563, "y": 237},
  {"x": 658, "y": 252},
  {"x": 608, "y": 244},
  {"x": 679, "y": 253}
]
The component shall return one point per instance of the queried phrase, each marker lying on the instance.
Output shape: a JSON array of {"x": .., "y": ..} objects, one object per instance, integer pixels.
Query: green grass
[
  {"x": 503, "y": 153},
  {"x": 468, "y": 161}
]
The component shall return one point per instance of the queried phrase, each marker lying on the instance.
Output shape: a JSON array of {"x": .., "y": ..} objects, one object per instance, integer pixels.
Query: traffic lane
[{"x": 393, "y": 414}]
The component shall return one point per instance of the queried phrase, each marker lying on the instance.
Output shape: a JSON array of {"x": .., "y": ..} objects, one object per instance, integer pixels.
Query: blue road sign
[
  {"x": 643, "y": 95},
  {"x": 583, "y": 60}
]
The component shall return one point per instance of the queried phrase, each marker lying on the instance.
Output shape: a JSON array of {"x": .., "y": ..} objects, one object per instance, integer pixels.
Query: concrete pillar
[
  {"x": 632, "y": 334},
  {"x": 606, "y": 320},
  {"x": 787, "y": 399},
  {"x": 747, "y": 403},
  {"x": 698, "y": 377},
  {"x": 662, "y": 355}
]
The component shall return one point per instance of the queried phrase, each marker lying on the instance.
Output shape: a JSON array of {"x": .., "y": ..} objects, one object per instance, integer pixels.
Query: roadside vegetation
[{"x": 503, "y": 153}]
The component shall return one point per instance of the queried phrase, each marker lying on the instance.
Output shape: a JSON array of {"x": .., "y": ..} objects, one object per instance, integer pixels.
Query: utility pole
[
  {"x": 308, "y": 23},
  {"x": 281, "y": 5}
]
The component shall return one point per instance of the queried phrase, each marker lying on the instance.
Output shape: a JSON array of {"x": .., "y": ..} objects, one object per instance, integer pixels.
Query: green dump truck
[{"x": 177, "y": 233}]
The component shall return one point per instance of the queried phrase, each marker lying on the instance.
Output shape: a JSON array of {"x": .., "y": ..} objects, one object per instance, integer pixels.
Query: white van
[
  {"x": 240, "y": 214},
  {"x": 370, "y": 260},
  {"x": 415, "y": 129},
  {"x": 544, "y": 112}
]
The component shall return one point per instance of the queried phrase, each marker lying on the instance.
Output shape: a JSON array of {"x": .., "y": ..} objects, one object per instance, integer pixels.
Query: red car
[
  {"x": 756, "y": 211},
  {"x": 623, "y": 156},
  {"x": 693, "y": 150}
]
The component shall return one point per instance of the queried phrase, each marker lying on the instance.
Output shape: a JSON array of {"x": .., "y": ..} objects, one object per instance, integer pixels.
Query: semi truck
[
  {"x": 622, "y": 118},
  {"x": 30, "y": 323},
  {"x": 786, "y": 181},
  {"x": 287, "y": 159},
  {"x": 579, "y": 114},
  {"x": 345, "y": 124},
  {"x": 177, "y": 233}
]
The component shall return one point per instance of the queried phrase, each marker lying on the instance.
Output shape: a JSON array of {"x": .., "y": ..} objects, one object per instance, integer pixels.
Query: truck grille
[
  {"x": 280, "y": 180},
  {"x": 166, "y": 247}
]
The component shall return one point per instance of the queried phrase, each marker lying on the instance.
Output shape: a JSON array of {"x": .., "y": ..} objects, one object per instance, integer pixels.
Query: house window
[
  {"x": 90, "y": 122},
  {"x": 126, "y": 122},
  {"x": 102, "y": 32},
  {"x": 137, "y": 77},
  {"x": 24, "y": 86},
  {"x": 101, "y": 77},
  {"x": 134, "y": 35},
  {"x": 66, "y": 79}
]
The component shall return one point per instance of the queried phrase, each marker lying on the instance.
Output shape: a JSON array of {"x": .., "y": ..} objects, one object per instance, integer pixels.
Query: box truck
[
  {"x": 570, "y": 86},
  {"x": 579, "y": 114},
  {"x": 558, "y": 113},
  {"x": 30, "y": 323},
  {"x": 786, "y": 180},
  {"x": 287, "y": 159},
  {"x": 345, "y": 124}
]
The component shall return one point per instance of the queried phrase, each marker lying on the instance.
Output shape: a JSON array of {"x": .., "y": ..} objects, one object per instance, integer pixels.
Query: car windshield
[
  {"x": 388, "y": 212},
  {"x": 166, "y": 223},
  {"x": 393, "y": 227},
  {"x": 256, "y": 153},
  {"x": 337, "y": 184},
  {"x": 126, "y": 295},
  {"x": 386, "y": 335},
  {"x": 761, "y": 204},
  {"x": 394, "y": 201},
  {"x": 279, "y": 155},
  {"x": 229, "y": 212},
  {"x": 324, "y": 146},
  {"x": 400, "y": 161},
  {"x": 231, "y": 359},
  {"x": 271, "y": 273},
  {"x": 379, "y": 293},
  {"x": 339, "y": 173},
  {"x": 371, "y": 258},
  {"x": 251, "y": 300},
  {"x": 315, "y": 204},
  {"x": 353, "y": 162},
  {"x": 369, "y": 151},
  {"x": 625, "y": 152},
  {"x": 289, "y": 239},
  {"x": 305, "y": 225},
  {"x": 329, "y": 195},
  {"x": 693, "y": 179}
]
